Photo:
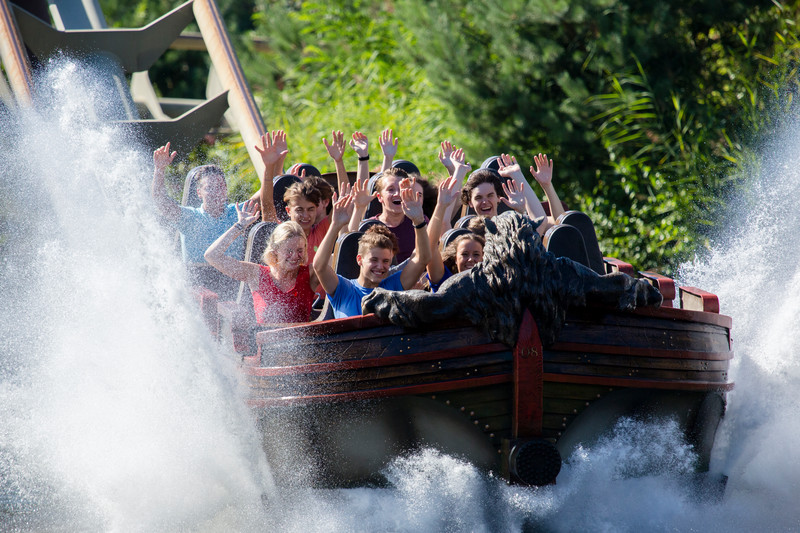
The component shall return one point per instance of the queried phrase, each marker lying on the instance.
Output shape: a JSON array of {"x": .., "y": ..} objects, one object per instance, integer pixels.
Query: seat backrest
[
  {"x": 190, "y": 197},
  {"x": 365, "y": 224},
  {"x": 584, "y": 225},
  {"x": 566, "y": 241},
  {"x": 279, "y": 186},
  {"x": 375, "y": 206},
  {"x": 463, "y": 222},
  {"x": 344, "y": 255},
  {"x": 333, "y": 179},
  {"x": 451, "y": 235},
  {"x": 257, "y": 239}
]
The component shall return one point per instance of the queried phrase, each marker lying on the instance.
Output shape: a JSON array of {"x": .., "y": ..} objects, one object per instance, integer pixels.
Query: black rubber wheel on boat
[{"x": 534, "y": 462}]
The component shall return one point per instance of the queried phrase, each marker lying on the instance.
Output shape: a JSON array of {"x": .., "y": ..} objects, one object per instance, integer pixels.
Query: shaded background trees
[{"x": 652, "y": 110}]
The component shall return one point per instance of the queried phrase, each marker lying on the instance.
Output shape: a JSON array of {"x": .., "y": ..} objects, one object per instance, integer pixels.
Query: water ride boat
[
  {"x": 339, "y": 399},
  {"x": 352, "y": 394}
]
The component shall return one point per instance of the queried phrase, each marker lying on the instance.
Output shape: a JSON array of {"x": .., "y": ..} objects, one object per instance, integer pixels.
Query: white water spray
[
  {"x": 119, "y": 413},
  {"x": 117, "y": 410}
]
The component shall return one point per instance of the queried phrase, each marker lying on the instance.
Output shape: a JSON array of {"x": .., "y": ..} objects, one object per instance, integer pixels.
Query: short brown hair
[
  {"x": 377, "y": 236},
  {"x": 395, "y": 171},
  {"x": 302, "y": 189},
  {"x": 324, "y": 188}
]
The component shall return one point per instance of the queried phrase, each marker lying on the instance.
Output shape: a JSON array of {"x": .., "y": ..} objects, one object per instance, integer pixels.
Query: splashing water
[{"x": 118, "y": 412}]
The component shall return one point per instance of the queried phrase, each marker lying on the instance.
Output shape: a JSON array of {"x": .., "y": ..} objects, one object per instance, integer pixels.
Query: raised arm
[
  {"x": 322, "y": 260},
  {"x": 389, "y": 148},
  {"x": 444, "y": 156},
  {"x": 412, "y": 208},
  {"x": 361, "y": 200},
  {"x": 510, "y": 169},
  {"x": 336, "y": 151},
  {"x": 273, "y": 150},
  {"x": 460, "y": 170},
  {"x": 162, "y": 158},
  {"x": 233, "y": 268},
  {"x": 543, "y": 173},
  {"x": 360, "y": 144},
  {"x": 448, "y": 192}
]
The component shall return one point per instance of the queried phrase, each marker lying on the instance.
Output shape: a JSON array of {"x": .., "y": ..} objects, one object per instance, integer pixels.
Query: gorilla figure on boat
[{"x": 516, "y": 273}]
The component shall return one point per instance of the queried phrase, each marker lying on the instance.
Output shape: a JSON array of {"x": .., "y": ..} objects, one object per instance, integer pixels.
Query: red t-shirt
[{"x": 272, "y": 305}]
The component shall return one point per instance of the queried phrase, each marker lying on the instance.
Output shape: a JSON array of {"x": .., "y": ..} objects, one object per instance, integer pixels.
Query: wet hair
[
  {"x": 482, "y": 175},
  {"x": 477, "y": 226},
  {"x": 302, "y": 189},
  {"x": 449, "y": 254},
  {"x": 203, "y": 172},
  {"x": 282, "y": 233},
  {"x": 395, "y": 171},
  {"x": 377, "y": 236},
  {"x": 324, "y": 188}
]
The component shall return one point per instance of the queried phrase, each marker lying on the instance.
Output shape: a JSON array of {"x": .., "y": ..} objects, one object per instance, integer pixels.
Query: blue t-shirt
[
  {"x": 346, "y": 301},
  {"x": 445, "y": 276},
  {"x": 199, "y": 230}
]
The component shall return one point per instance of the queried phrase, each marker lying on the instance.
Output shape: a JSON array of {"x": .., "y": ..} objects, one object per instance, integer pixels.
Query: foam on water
[{"x": 118, "y": 412}]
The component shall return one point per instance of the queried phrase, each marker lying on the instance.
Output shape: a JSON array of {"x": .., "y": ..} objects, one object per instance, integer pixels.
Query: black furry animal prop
[{"x": 516, "y": 273}]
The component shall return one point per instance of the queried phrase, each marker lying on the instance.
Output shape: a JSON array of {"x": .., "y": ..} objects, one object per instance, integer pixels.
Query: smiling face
[
  {"x": 389, "y": 195},
  {"x": 375, "y": 265},
  {"x": 484, "y": 200},
  {"x": 303, "y": 212},
  {"x": 291, "y": 254},
  {"x": 213, "y": 191},
  {"x": 469, "y": 253}
]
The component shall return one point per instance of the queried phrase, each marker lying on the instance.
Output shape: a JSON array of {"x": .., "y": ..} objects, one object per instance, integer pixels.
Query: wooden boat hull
[{"x": 339, "y": 400}]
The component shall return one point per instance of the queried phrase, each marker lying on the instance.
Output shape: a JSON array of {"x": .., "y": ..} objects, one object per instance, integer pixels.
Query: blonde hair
[{"x": 284, "y": 232}]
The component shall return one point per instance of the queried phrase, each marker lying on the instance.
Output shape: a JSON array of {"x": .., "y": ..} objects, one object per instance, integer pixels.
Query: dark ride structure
[{"x": 509, "y": 367}]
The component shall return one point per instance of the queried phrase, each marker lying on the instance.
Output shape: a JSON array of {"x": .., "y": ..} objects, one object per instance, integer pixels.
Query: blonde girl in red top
[{"x": 283, "y": 288}]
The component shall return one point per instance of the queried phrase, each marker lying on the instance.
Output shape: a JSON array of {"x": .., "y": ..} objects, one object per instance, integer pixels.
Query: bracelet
[
  {"x": 239, "y": 226},
  {"x": 421, "y": 224},
  {"x": 365, "y": 158}
]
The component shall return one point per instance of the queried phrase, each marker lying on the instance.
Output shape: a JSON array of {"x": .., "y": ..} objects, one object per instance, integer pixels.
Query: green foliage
[
  {"x": 335, "y": 65},
  {"x": 653, "y": 111},
  {"x": 650, "y": 109}
]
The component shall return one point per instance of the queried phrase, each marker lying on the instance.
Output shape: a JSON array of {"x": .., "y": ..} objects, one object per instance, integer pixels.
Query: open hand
[
  {"x": 162, "y": 158},
  {"x": 335, "y": 150},
  {"x": 515, "y": 193},
  {"x": 342, "y": 209},
  {"x": 544, "y": 169},
  {"x": 388, "y": 143},
  {"x": 248, "y": 213},
  {"x": 360, "y": 144},
  {"x": 444, "y": 156},
  {"x": 509, "y": 168}
]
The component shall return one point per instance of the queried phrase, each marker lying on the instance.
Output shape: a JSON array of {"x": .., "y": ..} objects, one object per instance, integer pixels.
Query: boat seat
[
  {"x": 451, "y": 235},
  {"x": 584, "y": 225},
  {"x": 344, "y": 255},
  {"x": 463, "y": 222},
  {"x": 365, "y": 224},
  {"x": 375, "y": 206},
  {"x": 279, "y": 186},
  {"x": 564, "y": 240}
]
